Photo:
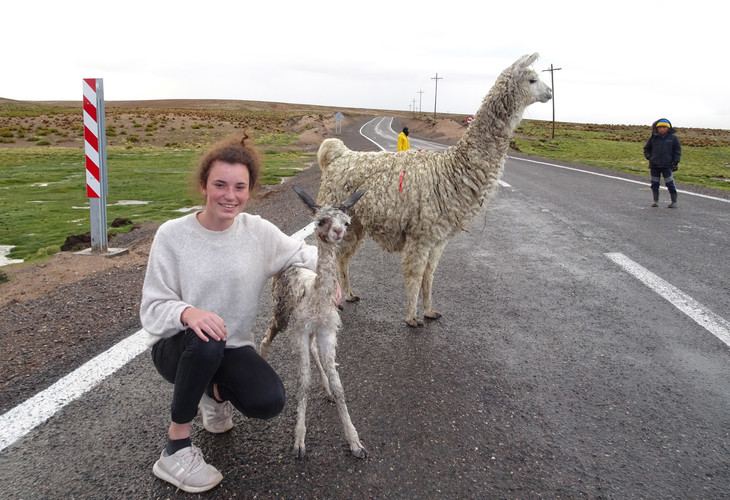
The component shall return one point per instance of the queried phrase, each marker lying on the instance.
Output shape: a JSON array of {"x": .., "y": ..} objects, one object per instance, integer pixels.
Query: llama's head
[
  {"x": 527, "y": 80},
  {"x": 330, "y": 223}
]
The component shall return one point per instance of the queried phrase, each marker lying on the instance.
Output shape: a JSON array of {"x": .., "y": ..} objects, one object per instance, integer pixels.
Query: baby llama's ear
[
  {"x": 348, "y": 203},
  {"x": 308, "y": 201}
]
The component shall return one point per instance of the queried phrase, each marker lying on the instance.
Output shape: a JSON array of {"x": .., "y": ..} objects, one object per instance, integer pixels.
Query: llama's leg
[
  {"x": 302, "y": 347},
  {"x": 414, "y": 265},
  {"x": 345, "y": 252},
  {"x": 427, "y": 284},
  {"x": 268, "y": 337},
  {"x": 322, "y": 375},
  {"x": 280, "y": 318},
  {"x": 327, "y": 342}
]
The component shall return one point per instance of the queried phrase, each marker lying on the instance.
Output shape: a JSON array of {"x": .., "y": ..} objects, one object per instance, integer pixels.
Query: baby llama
[
  {"x": 304, "y": 305},
  {"x": 417, "y": 201}
]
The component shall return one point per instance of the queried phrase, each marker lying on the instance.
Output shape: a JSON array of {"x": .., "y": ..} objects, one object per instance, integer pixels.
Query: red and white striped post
[{"x": 95, "y": 149}]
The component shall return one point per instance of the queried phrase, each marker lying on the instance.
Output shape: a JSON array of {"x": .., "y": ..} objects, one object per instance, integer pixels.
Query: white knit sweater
[{"x": 219, "y": 271}]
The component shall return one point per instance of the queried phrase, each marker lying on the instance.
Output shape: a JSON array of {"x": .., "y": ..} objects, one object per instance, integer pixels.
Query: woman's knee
[
  {"x": 267, "y": 405},
  {"x": 202, "y": 351}
]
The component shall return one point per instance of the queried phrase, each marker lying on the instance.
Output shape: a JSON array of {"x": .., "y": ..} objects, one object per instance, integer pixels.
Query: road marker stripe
[
  {"x": 707, "y": 319},
  {"x": 28, "y": 415}
]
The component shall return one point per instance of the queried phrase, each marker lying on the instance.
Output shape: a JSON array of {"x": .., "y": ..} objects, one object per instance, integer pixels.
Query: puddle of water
[
  {"x": 131, "y": 202},
  {"x": 4, "y": 251}
]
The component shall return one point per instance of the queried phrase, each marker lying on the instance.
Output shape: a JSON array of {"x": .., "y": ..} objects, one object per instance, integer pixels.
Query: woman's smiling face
[{"x": 226, "y": 194}]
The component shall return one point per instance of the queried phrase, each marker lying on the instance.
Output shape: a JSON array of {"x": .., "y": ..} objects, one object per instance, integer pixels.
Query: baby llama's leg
[
  {"x": 322, "y": 375},
  {"x": 302, "y": 340},
  {"x": 327, "y": 343},
  {"x": 280, "y": 317},
  {"x": 268, "y": 337},
  {"x": 427, "y": 284}
]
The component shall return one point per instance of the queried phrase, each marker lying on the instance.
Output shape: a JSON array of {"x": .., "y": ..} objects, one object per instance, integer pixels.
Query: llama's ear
[
  {"x": 348, "y": 203},
  {"x": 311, "y": 204},
  {"x": 525, "y": 62}
]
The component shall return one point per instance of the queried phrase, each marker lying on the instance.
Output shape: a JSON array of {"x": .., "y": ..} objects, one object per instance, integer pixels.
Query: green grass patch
[
  {"x": 43, "y": 190},
  {"x": 622, "y": 148}
]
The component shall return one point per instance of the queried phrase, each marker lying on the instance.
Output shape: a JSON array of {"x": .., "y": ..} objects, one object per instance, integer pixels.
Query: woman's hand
[{"x": 204, "y": 322}]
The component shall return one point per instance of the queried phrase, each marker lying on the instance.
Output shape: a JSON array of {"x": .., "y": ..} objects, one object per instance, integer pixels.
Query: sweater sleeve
[{"x": 161, "y": 304}]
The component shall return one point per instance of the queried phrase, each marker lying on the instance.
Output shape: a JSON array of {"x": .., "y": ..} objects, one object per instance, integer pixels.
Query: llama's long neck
[
  {"x": 474, "y": 165},
  {"x": 494, "y": 123},
  {"x": 326, "y": 280}
]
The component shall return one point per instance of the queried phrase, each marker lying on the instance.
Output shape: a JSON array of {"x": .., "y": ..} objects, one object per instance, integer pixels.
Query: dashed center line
[{"x": 707, "y": 319}]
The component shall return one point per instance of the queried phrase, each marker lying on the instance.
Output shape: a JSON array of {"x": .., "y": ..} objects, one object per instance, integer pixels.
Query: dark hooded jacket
[{"x": 662, "y": 150}]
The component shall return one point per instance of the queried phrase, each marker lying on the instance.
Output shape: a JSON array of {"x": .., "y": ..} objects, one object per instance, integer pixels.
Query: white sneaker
[
  {"x": 187, "y": 470},
  {"x": 217, "y": 417}
]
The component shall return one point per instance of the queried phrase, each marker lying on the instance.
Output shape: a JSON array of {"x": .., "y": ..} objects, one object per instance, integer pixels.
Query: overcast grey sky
[{"x": 623, "y": 62}]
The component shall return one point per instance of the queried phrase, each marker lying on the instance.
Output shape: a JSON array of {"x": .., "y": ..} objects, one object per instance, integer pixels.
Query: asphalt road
[
  {"x": 554, "y": 372},
  {"x": 379, "y": 131}
]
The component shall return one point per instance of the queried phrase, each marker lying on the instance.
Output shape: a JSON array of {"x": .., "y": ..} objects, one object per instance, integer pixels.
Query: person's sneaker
[
  {"x": 217, "y": 417},
  {"x": 655, "y": 204},
  {"x": 187, "y": 470},
  {"x": 672, "y": 205}
]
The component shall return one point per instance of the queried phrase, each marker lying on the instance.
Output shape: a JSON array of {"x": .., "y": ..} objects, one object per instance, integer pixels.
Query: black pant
[
  {"x": 243, "y": 377},
  {"x": 656, "y": 173}
]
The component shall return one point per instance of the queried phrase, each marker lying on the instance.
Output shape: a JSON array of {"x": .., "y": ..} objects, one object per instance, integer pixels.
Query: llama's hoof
[
  {"x": 360, "y": 452},
  {"x": 352, "y": 298},
  {"x": 433, "y": 316},
  {"x": 413, "y": 322},
  {"x": 300, "y": 451}
]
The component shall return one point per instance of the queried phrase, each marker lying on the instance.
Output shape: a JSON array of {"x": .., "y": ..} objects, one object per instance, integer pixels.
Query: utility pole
[
  {"x": 435, "y": 97},
  {"x": 420, "y": 101},
  {"x": 552, "y": 87},
  {"x": 414, "y": 107}
]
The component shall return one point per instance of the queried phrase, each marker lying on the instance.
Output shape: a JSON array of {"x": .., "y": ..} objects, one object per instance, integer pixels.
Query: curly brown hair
[{"x": 232, "y": 150}]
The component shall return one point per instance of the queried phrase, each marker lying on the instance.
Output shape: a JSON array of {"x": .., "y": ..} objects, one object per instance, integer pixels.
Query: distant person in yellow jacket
[{"x": 403, "y": 140}]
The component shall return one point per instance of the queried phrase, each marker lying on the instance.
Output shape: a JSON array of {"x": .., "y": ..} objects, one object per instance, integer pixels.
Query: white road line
[
  {"x": 304, "y": 232},
  {"x": 707, "y": 319},
  {"x": 25, "y": 417},
  {"x": 368, "y": 138},
  {"x": 715, "y": 198}
]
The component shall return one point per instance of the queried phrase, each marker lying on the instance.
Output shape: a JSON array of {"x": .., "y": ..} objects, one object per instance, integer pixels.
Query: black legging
[{"x": 243, "y": 377}]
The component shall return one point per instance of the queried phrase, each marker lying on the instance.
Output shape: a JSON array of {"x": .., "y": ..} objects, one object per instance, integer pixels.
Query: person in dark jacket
[{"x": 663, "y": 152}]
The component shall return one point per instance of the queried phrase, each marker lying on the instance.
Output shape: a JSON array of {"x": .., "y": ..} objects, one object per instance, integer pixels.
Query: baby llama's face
[{"x": 332, "y": 226}]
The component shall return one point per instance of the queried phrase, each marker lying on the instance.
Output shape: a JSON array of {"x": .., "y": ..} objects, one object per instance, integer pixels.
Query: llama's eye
[
  {"x": 321, "y": 222},
  {"x": 533, "y": 80}
]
